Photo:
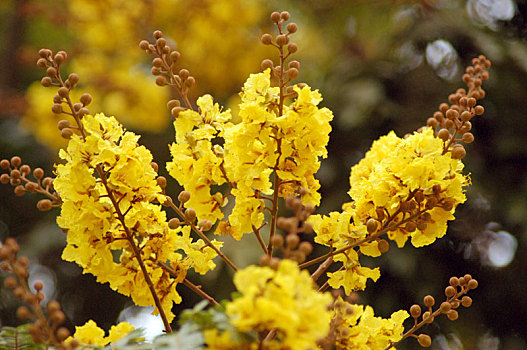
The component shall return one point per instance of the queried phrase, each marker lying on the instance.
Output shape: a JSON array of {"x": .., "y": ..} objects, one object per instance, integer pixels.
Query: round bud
[
  {"x": 10, "y": 282},
  {"x": 415, "y": 311},
  {"x": 380, "y": 213},
  {"x": 267, "y": 39},
  {"x": 56, "y": 108},
  {"x": 63, "y": 333},
  {"x": 44, "y": 53},
  {"x": 292, "y": 73},
  {"x": 452, "y": 315},
  {"x": 25, "y": 169},
  {"x": 305, "y": 247},
  {"x": 424, "y": 340},
  {"x": 23, "y": 312},
  {"x": 466, "y": 301},
  {"x": 458, "y": 152},
  {"x": 173, "y": 103},
  {"x": 20, "y": 190},
  {"x": 371, "y": 225},
  {"x": 53, "y": 306},
  {"x": 190, "y": 82},
  {"x": 73, "y": 78},
  {"x": 38, "y": 285},
  {"x": 265, "y": 260},
  {"x": 445, "y": 307},
  {"x": 275, "y": 17},
  {"x": 86, "y": 99},
  {"x": 443, "y": 134},
  {"x": 468, "y": 137},
  {"x": 4, "y": 164},
  {"x": 284, "y": 15},
  {"x": 161, "y": 42},
  {"x": 282, "y": 40},
  {"x": 162, "y": 181},
  {"x": 429, "y": 301},
  {"x": 44, "y": 205},
  {"x": 47, "y": 181},
  {"x": 4, "y": 178},
  {"x": 46, "y": 81},
  {"x": 31, "y": 187},
  {"x": 155, "y": 71},
  {"x": 383, "y": 246},
  {"x": 157, "y": 62},
  {"x": 184, "y": 74},
  {"x": 205, "y": 224},
  {"x": 449, "y": 124},
  {"x": 428, "y": 317},
  {"x": 176, "y": 110},
  {"x": 143, "y": 44},
  {"x": 174, "y": 56},
  {"x": 471, "y": 102},
  {"x": 410, "y": 226},
  {"x": 292, "y": 241},
  {"x": 18, "y": 292},
  {"x": 63, "y": 124},
  {"x": 174, "y": 223},
  {"x": 294, "y": 64},
  {"x": 452, "y": 114},
  {"x": 158, "y": 34},
  {"x": 454, "y": 281},
  {"x": 479, "y": 110},
  {"x": 467, "y": 277},
  {"x": 274, "y": 262},
  {"x": 190, "y": 214},
  {"x": 277, "y": 241},
  {"x": 66, "y": 133},
  {"x": 161, "y": 81},
  {"x": 183, "y": 196},
  {"x": 51, "y": 72},
  {"x": 432, "y": 122},
  {"x": 267, "y": 63},
  {"x": 58, "y": 317},
  {"x": 42, "y": 63},
  {"x": 292, "y": 27},
  {"x": 473, "y": 284},
  {"x": 450, "y": 291}
]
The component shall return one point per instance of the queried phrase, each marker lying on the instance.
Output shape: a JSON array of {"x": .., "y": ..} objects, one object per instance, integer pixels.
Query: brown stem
[
  {"x": 259, "y": 237},
  {"x": 200, "y": 292},
  {"x": 208, "y": 242},
  {"x": 323, "y": 267}
]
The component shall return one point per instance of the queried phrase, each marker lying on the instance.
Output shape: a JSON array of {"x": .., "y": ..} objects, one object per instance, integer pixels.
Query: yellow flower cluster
[
  {"x": 91, "y": 334},
  {"x": 395, "y": 170},
  {"x": 407, "y": 183},
  {"x": 263, "y": 142},
  {"x": 108, "y": 189},
  {"x": 282, "y": 300},
  {"x": 357, "y": 328}
]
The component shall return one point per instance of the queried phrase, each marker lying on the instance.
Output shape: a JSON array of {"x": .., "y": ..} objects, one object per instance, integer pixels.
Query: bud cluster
[
  {"x": 165, "y": 67},
  {"x": 291, "y": 245},
  {"x": 77, "y": 110},
  {"x": 452, "y": 122},
  {"x": 281, "y": 41},
  {"x": 44, "y": 329},
  {"x": 17, "y": 176},
  {"x": 455, "y": 296}
]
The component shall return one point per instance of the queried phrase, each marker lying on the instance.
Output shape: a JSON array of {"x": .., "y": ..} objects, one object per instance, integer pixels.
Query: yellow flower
[
  {"x": 284, "y": 300},
  {"x": 91, "y": 334}
]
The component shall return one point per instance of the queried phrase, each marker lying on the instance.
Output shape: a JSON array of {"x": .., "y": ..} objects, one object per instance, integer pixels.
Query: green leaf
[{"x": 18, "y": 338}]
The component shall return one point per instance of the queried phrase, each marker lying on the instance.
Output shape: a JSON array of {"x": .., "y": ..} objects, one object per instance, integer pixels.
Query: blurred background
[{"x": 380, "y": 66}]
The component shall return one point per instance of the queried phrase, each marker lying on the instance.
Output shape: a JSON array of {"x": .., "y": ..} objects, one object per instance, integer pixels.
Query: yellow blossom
[
  {"x": 91, "y": 334},
  {"x": 284, "y": 300}
]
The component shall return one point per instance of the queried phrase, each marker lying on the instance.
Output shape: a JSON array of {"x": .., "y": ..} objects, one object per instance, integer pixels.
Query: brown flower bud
[
  {"x": 20, "y": 190},
  {"x": 292, "y": 241},
  {"x": 444, "y": 134},
  {"x": 466, "y": 301},
  {"x": 429, "y": 300},
  {"x": 161, "y": 81},
  {"x": 383, "y": 246},
  {"x": 10, "y": 282},
  {"x": 162, "y": 182},
  {"x": 292, "y": 47},
  {"x": 42, "y": 63},
  {"x": 4, "y": 164},
  {"x": 58, "y": 317},
  {"x": 143, "y": 44},
  {"x": 479, "y": 110},
  {"x": 274, "y": 262},
  {"x": 277, "y": 241},
  {"x": 424, "y": 340},
  {"x": 265, "y": 260},
  {"x": 183, "y": 196},
  {"x": 445, "y": 307},
  {"x": 275, "y": 17},
  {"x": 415, "y": 311},
  {"x": 47, "y": 181},
  {"x": 428, "y": 317},
  {"x": 4, "y": 178},
  {"x": 458, "y": 152},
  {"x": 63, "y": 333},
  {"x": 86, "y": 99},
  {"x": 16, "y": 161},
  {"x": 184, "y": 73},
  {"x": 23, "y": 312},
  {"x": 66, "y": 133},
  {"x": 73, "y": 79},
  {"x": 158, "y": 34},
  {"x": 410, "y": 226},
  {"x": 371, "y": 225},
  {"x": 190, "y": 214},
  {"x": 56, "y": 108},
  {"x": 46, "y": 81},
  {"x": 161, "y": 42},
  {"x": 174, "y": 56},
  {"x": 63, "y": 124},
  {"x": 292, "y": 27},
  {"x": 44, "y": 205},
  {"x": 282, "y": 40},
  {"x": 284, "y": 15},
  {"x": 473, "y": 284},
  {"x": 452, "y": 315},
  {"x": 305, "y": 247},
  {"x": 174, "y": 223},
  {"x": 450, "y": 291},
  {"x": 267, "y": 39}
]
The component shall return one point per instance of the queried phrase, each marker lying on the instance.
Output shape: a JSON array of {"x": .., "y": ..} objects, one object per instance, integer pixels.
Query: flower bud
[
  {"x": 267, "y": 39},
  {"x": 183, "y": 196},
  {"x": 190, "y": 214},
  {"x": 424, "y": 340}
]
